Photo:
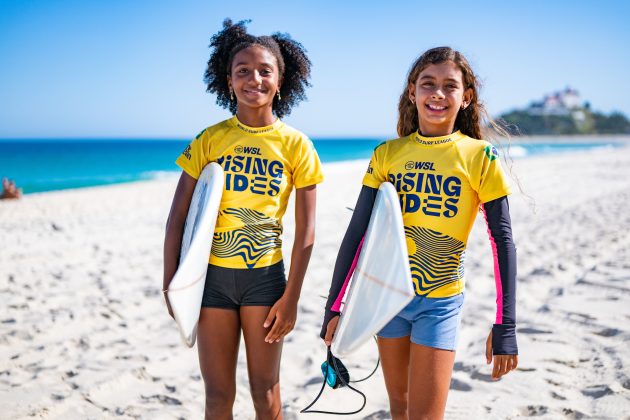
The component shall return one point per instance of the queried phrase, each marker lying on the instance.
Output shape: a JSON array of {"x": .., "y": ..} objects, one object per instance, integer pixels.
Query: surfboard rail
[
  {"x": 185, "y": 291},
  {"x": 381, "y": 284}
]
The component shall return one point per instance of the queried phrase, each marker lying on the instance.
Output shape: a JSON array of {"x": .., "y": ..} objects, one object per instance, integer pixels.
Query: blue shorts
[{"x": 432, "y": 322}]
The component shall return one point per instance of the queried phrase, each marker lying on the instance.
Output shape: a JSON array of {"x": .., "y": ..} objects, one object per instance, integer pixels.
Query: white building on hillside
[{"x": 559, "y": 103}]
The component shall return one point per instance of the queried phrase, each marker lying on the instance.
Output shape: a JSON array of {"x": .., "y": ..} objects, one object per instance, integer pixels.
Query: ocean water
[{"x": 46, "y": 164}]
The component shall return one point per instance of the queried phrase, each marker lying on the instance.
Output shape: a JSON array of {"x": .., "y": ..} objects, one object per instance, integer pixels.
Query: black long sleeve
[
  {"x": 349, "y": 247},
  {"x": 497, "y": 214}
]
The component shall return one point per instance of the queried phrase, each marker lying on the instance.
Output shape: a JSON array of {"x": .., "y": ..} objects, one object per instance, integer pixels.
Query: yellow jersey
[
  {"x": 441, "y": 182},
  {"x": 261, "y": 166}
]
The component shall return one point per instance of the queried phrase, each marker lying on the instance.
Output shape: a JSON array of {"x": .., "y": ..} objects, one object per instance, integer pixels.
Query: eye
[
  {"x": 266, "y": 72},
  {"x": 427, "y": 84}
]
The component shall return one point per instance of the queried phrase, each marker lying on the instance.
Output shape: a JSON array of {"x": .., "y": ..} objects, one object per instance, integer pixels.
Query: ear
[
  {"x": 229, "y": 80},
  {"x": 411, "y": 92},
  {"x": 468, "y": 96}
]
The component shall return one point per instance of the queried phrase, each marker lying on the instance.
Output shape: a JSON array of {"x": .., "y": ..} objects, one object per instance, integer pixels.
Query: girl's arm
[
  {"x": 502, "y": 339},
  {"x": 175, "y": 229},
  {"x": 347, "y": 252},
  {"x": 284, "y": 311}
]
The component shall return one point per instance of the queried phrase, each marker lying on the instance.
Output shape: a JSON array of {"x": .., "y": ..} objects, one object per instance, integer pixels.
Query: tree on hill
[
  {"x": 560, "y": 113},
  {"x": 615, "y": 123}
]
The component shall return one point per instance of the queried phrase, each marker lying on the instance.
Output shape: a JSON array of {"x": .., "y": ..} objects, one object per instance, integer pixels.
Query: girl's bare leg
[
  {"x": 430, "y": 372},
  {"x": 218, "y": 338},
  {"x": 394, "y": 354},
  {"x": 263, "y": 363}
]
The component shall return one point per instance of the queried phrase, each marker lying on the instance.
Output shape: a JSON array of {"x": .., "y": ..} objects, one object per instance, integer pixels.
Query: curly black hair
[{"x": 293, "y": 64}]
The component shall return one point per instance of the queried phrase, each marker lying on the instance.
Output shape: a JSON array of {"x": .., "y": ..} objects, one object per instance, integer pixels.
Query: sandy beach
[{"x": 84, "y": 331}]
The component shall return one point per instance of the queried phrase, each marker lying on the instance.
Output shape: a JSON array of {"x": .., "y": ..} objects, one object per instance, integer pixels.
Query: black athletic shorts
[{"x": 232, "y": 288}]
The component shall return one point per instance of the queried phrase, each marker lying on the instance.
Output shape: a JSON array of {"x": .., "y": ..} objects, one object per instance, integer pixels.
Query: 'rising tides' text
[
  {"x": 434, "y": 195},
  {"x": 258, "y": 175}
]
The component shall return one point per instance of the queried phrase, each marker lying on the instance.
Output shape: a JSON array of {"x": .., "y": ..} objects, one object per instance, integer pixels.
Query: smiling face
[
  {"x": 254, "y": 78},
  {"x": 439, "y": 94}
]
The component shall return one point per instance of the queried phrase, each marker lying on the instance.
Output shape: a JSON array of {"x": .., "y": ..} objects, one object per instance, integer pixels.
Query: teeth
[{"x": 437, "y": 108}]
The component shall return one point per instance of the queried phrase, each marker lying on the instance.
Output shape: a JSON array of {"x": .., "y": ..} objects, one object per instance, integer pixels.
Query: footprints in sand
[
  {"x": 587, "y": 316},
  {"x": 597, "y": 391},
  {"x": 459, "y": 385},
  {"x": 164, "y": 399},
  {"x": 534, "y": 410},
  {"x": 608, "y": 332},
  {"x": 573, "y": 313},
  {"x": 473, "y": 372}
]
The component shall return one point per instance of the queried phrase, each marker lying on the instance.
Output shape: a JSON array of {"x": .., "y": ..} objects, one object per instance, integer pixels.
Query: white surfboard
[
  {"x": 381, "y": 285},
  {"x": 186, "y": 289}
]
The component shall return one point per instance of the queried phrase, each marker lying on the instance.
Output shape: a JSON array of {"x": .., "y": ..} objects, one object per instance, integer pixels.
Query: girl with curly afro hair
[{"x": 259, "y": 79}]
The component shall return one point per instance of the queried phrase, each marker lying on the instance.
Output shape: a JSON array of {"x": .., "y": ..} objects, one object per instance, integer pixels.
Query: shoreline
[
  {"x": 571, "y": 138},
  {"x": 502, "y": 143},
  {"x": 165, "y": 176}
]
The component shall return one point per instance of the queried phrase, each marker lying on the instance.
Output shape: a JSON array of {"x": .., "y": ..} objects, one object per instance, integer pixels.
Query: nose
[
  {"x": 256, "y": 76},
  {"x": 437, "y": 93}
]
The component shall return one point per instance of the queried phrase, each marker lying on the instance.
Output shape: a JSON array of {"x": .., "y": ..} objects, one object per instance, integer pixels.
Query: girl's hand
[
  {"x": 168, "y": 306},
  {"x": 330, "y": 330},
  {"x": 503, "y": 363},
  {"x": 282, "y": 315}
]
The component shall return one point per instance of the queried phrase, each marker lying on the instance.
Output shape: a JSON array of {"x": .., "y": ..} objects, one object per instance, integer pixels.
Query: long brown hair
[{"x": 471, "y": 121}]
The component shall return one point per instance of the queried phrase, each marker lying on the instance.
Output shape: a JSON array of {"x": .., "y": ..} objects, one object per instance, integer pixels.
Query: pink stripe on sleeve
[
  {"x": 337, "y": 305},
  {"x": 497, "y": 273}
]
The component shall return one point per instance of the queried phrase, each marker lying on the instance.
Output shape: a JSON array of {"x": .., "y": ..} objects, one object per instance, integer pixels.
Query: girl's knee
[
  {"x": 220, "y": 399},
  {"x": 265, "y": 393}
]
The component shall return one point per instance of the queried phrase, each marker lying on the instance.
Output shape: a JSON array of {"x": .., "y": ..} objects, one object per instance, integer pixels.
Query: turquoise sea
[{"x": 39, "y": 165}]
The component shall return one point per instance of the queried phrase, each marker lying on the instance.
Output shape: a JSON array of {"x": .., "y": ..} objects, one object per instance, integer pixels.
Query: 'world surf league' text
[
  {"x": 251, "y": 172},
  {"x": 432, "y": 194}
]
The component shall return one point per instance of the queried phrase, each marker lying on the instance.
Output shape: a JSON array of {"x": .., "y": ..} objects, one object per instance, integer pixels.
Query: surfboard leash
[{"x": 336, "y": 375}]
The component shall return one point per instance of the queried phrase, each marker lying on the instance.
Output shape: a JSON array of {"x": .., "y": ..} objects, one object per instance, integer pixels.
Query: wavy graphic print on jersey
[
  {"x": 437, "y": 260},
  {"x": 259, "y": 236}
]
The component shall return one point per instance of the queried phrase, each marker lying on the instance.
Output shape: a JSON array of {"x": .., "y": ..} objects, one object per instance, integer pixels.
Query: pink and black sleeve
[{"x": 497, "y": 214}]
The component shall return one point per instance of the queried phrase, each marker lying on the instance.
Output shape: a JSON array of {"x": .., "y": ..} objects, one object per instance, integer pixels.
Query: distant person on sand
[
  {"x": 10, "y": 190},
  {"x": 445, "y": 174},
  {"x": 259, "y": 79}
]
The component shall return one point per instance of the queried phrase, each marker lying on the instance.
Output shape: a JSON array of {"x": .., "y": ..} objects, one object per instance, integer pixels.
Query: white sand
[{"x": 84, "y": 332}]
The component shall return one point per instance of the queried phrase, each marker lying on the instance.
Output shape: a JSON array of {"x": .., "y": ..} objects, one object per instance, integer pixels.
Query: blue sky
[{"x": 135, "y": 68}]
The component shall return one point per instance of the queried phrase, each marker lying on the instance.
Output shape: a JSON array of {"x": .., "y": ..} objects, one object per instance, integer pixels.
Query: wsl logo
[
  {"x": 425, "y": 166},
  {"x": 247, "y": 150}
]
